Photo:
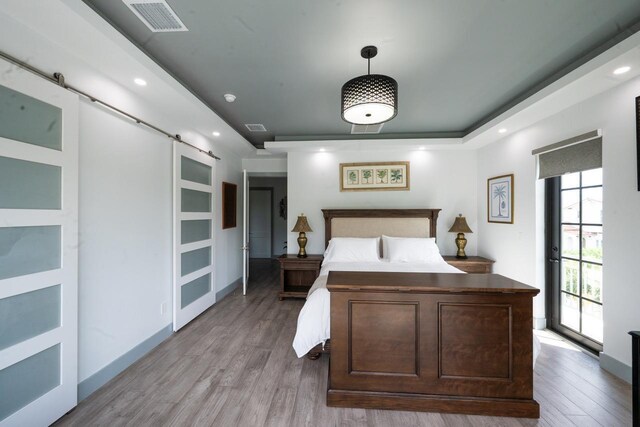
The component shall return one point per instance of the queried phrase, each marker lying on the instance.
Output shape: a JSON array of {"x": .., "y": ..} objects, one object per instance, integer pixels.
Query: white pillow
[
  {"x": 352, "y": 249},
  {"x": 411, "y": 249}
]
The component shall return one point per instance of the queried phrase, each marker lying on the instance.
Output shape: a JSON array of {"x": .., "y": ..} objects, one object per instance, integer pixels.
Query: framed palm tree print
[{"x": 500, "y": 199}]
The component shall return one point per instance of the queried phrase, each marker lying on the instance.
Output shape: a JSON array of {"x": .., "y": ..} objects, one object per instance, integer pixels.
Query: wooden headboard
[{"x": 402, "y": 223}]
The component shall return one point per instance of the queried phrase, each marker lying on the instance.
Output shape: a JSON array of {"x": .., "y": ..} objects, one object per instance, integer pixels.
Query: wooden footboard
[{"x": 432, "y": 342}]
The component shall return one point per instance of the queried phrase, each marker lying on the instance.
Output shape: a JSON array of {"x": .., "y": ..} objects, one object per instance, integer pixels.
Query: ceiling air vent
[
  {"x": 362, "y": 129},
  {"x": 256, "y": 127},
  {"x": 157, "y": 15}
]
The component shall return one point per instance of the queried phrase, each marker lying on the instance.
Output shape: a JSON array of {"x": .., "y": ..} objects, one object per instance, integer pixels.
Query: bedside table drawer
[{"x": 472, "y": 264}]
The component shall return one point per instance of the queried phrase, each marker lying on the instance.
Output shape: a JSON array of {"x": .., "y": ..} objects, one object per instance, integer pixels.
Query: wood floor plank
[{"x": 234, "y": 366}]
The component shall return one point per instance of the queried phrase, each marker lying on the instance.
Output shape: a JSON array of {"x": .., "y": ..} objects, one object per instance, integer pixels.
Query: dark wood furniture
[
  {"x": 472, "y": 264},
  {"x": 229, "y": 205},
  {"x": 298, "y": 274},
  {"x": 635, "y": 362},
  {"x": 432, "y": 342},
  {"x": 426, "y": 341}
]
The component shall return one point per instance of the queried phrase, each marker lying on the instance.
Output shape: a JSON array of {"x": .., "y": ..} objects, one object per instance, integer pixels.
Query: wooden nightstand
[
  {"x": 298, "y": 274},
  {"x": 472, "y": 264}
]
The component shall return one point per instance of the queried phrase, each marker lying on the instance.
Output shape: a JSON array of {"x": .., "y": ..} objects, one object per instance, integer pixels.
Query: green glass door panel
[
  {"x": 26, "y": 119},
  {"x": 195, "y": 260},
  {"x": 30, "y": 314},
  {"x": 195, "y": 171},
  {"x": 195, "y": 230},
  {"x": 29, "y": 185},
  {"x": 27, "y": 380},
  {"x": 195, "y": 289},
  {"x": 28, "y": 250},
  {"x": 195, "y": 201}
]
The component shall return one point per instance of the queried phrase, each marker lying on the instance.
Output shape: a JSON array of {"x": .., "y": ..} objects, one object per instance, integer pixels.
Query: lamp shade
[
  {"x": 302, "y": 226},
  {"x": 369, "y": 99},
  {"x": 460, "y": 226}
]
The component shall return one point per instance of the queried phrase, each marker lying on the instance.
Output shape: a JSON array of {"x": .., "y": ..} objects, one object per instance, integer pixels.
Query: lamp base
[
  {"x": 302, "y": 242},
  {"x": 461, "y": 242}
]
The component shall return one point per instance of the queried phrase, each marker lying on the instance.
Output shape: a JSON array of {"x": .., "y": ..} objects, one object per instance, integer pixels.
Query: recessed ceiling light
[
  {"x": 621, "y": 70},
  {"x": 140, "y": 82},
  {"x": 502, "y": 130},
  {"x": 322, "y": 149},
  {"x": 216, "y": 133},
  {"x": 421, "y": 148},
  {"x": 229, "y": 97}
]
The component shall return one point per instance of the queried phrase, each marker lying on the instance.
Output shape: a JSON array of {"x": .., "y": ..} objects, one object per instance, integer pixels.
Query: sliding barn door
[
  {"x": 193, "y": 234},
  {"x": 38, "y": 249}
]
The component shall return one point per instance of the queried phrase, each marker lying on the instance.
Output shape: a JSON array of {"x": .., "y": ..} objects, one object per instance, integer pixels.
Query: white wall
[
  {"x": 444, "y": 179},
  {"x": 125, "y": 174},
  {"x": 279, "y": 224},
  {"x": 267, "y": 166},
  {"x": 518, "y": 248},
  {"x": 125, "y": 236}
]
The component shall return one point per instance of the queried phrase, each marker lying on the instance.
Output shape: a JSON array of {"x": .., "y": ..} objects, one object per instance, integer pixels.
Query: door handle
[{"x": 553, "y": 260}]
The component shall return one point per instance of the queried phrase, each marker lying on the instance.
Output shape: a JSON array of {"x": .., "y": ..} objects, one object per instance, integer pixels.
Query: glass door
[
  {"x": 575, "y": 235},
  {"x": 193, "y": 234},
  {"x": 38, "y": 249}
]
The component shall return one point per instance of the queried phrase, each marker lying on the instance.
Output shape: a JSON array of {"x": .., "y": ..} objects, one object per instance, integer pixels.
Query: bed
[{"x": 417, "y": 335}]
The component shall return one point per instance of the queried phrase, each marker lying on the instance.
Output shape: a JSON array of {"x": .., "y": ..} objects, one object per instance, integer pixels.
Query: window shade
[{"x": 570, "y": 156}]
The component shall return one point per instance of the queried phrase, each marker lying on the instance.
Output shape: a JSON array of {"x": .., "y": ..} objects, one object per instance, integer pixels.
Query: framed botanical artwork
[
  {"x": 377, "y": 176},
  {"x": 500, "y": 199}
]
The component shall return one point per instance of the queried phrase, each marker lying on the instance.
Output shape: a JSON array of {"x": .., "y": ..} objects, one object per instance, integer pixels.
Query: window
[{"x": 574, "y": 214}]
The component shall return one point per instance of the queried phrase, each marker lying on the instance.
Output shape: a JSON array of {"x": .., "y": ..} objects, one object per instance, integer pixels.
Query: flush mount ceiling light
[
  {"x": 621, "y": 70},
  {"x": 229, "y": 97},
  {"x": 371, "y": 98},
  {"x": 216, "y": 133},
  {"x": 502, "y": 130},
  {"x": 139, "y": 81}
]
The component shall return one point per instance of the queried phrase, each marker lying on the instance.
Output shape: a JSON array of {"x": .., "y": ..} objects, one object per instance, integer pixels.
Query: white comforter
[
  {"x": 313, "y": 321},
  {"x": 314, "y": 318}
]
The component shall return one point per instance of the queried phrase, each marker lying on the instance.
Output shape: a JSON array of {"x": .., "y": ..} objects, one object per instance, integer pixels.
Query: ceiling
[{"x": 458, "y": 63}]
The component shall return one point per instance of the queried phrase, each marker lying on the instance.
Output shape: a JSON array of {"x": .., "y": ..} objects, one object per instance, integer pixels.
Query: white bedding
[
  {"x": 314, "y": 318},
  {"x": 313, "y": 321}
]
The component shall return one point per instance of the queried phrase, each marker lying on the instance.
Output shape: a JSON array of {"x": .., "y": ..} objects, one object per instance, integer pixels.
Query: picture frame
[
  {"x": 375, "y": 176},
  {"x": 500, "y": 199},
  {"x": 229, "y": 205}
]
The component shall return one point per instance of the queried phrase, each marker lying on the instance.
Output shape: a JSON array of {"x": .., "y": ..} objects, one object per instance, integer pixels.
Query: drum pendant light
[{"x": 371, "y": 98}]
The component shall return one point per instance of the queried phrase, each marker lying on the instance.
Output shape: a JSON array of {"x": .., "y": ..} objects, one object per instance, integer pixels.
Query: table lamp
[
  {"x": 460, "y": 226},
  {"x": 302, "y": 227}
]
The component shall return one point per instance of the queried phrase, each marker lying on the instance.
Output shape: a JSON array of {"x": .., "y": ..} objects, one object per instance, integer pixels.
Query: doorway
[
  {"x": 574, "y": 256},
  {"x": 260, "y": 224}
]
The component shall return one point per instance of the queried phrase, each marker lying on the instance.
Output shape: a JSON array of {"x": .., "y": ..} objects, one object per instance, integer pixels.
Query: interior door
[
  {"x": 260, "y": 223},
  {"x": 38, "y": 249},
  {"x": 193, "y": 234},
  {"x": 245, "y": 231}
]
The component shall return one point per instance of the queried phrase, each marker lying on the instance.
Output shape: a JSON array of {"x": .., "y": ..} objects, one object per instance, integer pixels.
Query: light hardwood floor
[{"x": 234, "y": 366}]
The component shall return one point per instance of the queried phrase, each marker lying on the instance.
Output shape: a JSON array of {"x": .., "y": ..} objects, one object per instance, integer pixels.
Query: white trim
[
  {"x": 24, "y": 349},
  {"x": 190, "y": 185},
  {"x": 29, "y": 283},
  {"x": 29, "y": 152},
  {"x": 30, "y": 217},
  {"x": 184, "y": 280},
  {"x": 197, "y": 215},
  {"x": 188, "y": 247}
]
